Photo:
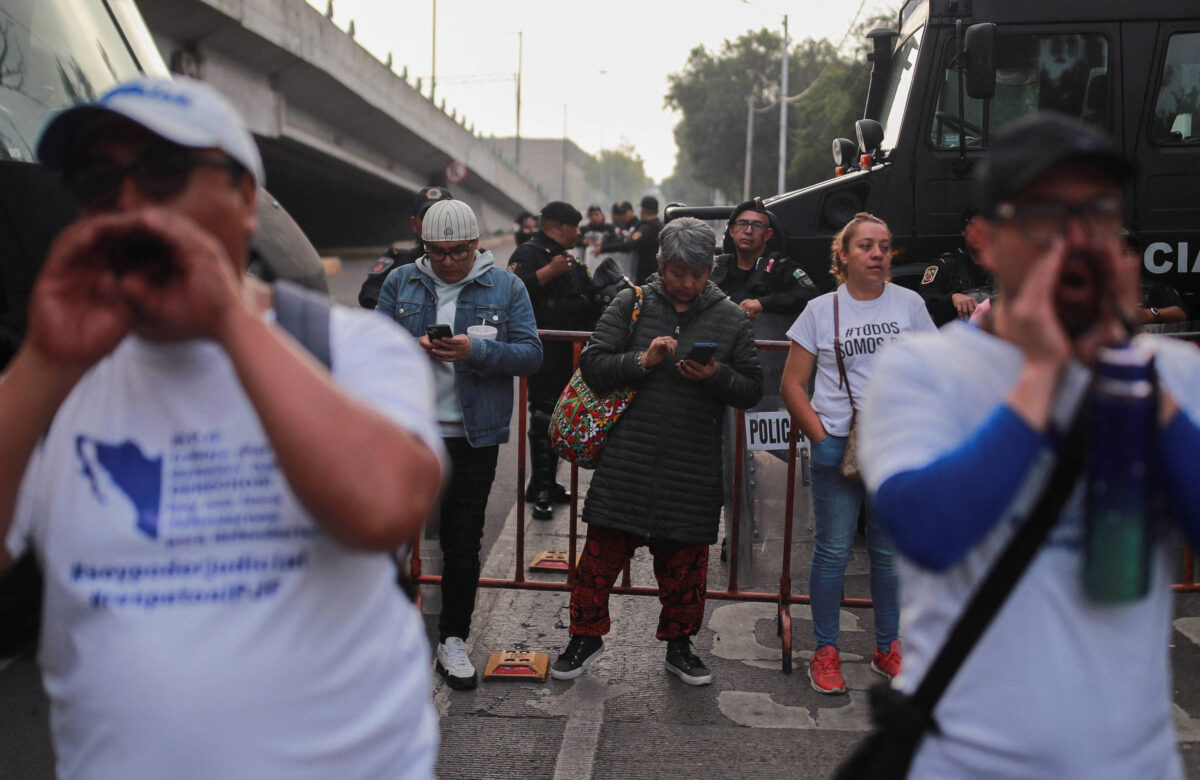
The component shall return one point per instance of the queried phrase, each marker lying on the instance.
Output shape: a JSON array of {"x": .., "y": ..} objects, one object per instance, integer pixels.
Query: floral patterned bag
[{"x": 582, "y": 417}]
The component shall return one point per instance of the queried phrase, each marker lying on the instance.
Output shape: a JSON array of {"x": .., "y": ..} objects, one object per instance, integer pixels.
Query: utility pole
[
  {"x": 563, "y": 196},
  {"x": 433, "y": 68},
  {"x": 783, "y": 107},
  {"x": 520, "y": 55},
  {"x": 749, "y": 144}
]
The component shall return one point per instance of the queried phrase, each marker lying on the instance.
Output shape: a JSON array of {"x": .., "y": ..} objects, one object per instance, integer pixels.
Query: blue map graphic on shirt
[{"x": 137, "y": 476}]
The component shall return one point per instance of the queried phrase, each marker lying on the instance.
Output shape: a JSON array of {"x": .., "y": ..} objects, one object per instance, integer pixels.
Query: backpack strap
[{"x": 305, "y": 315}]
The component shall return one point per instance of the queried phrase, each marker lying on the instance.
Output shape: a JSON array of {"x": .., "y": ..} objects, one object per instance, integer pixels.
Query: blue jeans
[{"x": 836, "y": 503}]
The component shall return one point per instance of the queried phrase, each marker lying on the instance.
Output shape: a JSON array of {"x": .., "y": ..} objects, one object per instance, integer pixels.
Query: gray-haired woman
[{"x": 658, "y": 481}]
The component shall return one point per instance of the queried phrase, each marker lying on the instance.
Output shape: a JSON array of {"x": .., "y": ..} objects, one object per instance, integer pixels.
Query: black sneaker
[
  {"x": 542, "y": 509},
  {"x": 574, "y": 661},
  {"x": 685, "y": 664},
  {"x": 559, "y": 494}
]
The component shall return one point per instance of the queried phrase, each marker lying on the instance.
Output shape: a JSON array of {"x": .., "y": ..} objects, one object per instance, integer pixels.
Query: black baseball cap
[
  {"x": 427, "y": 196},
  {"x": 561, "y": 211},
  {"x": 754, "y": 205},
  {"x": 650, "y": 203},
  {"x": 1025, "y": 148},
  {"x": 594, "y": 208},
  {"x": 621, "y": 206}
]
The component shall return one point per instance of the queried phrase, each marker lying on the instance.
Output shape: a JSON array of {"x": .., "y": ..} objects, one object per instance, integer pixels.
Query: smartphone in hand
[
  {"x": 702, "y": 352},
  {"x": 438, "y": 331}
]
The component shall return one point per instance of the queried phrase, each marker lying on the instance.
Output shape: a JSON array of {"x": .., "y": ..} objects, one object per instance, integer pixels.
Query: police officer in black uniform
[
  {"x": 368, "y": 295},
  {"x": 595, "y": 231},
  {"x": 526, "y": 227},
  {"x": 955, "y": 284},
  {"x": 643, "y": 240},
  {"x": 754, "y": 272},
  {"x": 560, "y": 289}
]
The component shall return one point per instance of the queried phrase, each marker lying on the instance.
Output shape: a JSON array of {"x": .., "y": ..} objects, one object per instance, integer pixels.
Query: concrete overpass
[{"x": 345, "y": 140}]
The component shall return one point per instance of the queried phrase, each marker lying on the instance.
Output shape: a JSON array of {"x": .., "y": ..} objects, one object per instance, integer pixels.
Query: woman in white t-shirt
[{"x": 869, "y": 313}]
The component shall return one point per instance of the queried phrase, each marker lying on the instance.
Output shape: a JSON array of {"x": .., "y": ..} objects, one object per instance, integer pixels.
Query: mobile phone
[
  {"x": 702, "y": 352},
  {"x": 438, "y": 331}
]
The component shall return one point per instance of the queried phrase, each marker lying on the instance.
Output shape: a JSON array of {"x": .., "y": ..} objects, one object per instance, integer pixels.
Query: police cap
[{"x": 561, "y": 211}]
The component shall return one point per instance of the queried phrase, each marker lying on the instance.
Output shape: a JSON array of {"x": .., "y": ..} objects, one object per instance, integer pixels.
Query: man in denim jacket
[{"x": 494, "y": 339}]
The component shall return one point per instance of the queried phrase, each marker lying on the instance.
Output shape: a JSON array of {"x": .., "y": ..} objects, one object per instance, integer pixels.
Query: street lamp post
[
  {"x": 520, "y": 55},
  {"x": 783, "y": 107},
  {"x": 433, "y": 66}
]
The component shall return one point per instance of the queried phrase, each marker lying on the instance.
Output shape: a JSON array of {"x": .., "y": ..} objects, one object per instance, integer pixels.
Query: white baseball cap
[
  {"x": 184, "y": 111},
  {"x": 449, "y": 220}
]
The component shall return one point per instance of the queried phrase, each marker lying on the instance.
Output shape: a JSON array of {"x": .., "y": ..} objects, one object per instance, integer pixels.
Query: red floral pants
[{"x": 681, "y": 571}]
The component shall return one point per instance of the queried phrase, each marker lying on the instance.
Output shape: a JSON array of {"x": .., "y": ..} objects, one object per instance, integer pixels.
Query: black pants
[{"x": 462, "y": 516}]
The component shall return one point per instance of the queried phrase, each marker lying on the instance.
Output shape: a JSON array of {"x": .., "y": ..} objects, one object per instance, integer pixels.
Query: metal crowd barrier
[{"x": 783, "y": 597}]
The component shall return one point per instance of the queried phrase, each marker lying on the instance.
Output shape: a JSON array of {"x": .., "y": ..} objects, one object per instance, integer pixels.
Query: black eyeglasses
[
  {"x": 455, "y": 253},
  {"x": 1043, "y": 220},
  {"x": 159, "y": 174},
  {"x": 745, "y": 224}
]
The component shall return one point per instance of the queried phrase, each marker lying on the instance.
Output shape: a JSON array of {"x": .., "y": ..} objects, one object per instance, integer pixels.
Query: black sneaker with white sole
[
  {"x": 578, "y": 656},
  {"x": 685, "y": 664}
]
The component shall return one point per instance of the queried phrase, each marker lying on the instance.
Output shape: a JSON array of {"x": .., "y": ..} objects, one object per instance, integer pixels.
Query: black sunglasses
[{"x": 159, "y": 173}]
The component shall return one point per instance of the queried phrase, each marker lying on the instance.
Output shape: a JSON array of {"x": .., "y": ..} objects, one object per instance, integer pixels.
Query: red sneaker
[
  {"x": 825, "y": 671},
  {"x": 887, "y": 664}
]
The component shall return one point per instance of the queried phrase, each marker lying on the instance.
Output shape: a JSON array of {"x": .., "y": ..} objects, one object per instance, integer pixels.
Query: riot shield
[{"x": 763, "y": 476}]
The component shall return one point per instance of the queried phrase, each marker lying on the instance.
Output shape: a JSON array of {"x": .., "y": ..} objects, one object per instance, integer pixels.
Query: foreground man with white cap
[{"x": 212, "y": 509}]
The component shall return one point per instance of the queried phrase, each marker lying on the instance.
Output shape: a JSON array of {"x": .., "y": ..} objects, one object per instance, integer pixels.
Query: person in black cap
[
  {"x": 368, "y": 295},
  {"x": 754, "y": 272},
  {"x": 560, "y": 289},
  {"x": 643, "y": 239},
  {"x": 526, "y": 227},
  {"x": 623, "y": 220},
  {"x": 959, "y": 432},
  {"x": 955, "y": 283},
  {"x": 595, "y": 231}
]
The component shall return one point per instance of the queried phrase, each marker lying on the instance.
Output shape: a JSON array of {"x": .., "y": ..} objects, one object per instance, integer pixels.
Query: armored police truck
[{"x": 953, "y": 71}]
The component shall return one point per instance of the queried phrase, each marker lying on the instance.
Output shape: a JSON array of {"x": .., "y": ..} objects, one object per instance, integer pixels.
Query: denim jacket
[{"x": 484, "y": 379}]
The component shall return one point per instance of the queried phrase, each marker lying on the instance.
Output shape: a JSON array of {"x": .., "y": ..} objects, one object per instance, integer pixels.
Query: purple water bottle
[{"x": 1121, "y": 425}]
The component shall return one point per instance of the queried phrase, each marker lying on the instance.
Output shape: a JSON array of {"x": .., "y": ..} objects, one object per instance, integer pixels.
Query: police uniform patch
[
  {"x": 930, "y": 274},
  {"x": 513, "y": 267},
  {"x": 804, "y": 279},
  {"x": 636, "y": 235},
  {"x": 382, "y": 264}
]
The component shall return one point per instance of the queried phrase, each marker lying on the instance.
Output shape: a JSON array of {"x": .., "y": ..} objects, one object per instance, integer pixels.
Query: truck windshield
[
  {"x": 1066, "y": 73},
  {"x": 1177, "y": 105},
  {"x": 53, "y": 53},
  {"x": 891, "y": 114}
]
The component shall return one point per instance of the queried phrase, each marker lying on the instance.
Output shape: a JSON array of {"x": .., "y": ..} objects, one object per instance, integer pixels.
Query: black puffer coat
[{"x": 659, "y": 475}]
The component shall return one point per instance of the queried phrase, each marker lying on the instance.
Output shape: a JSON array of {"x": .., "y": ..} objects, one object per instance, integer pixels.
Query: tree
[
  {"x": 828, "y": 111},
  {"x": 619, "y": 170},
  {"x": 681, "y": 186},
  {"x": 710, "y": 92}
]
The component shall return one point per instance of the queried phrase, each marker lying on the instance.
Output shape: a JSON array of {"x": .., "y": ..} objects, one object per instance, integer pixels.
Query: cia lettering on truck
[{"x": 1161, "y": 257}]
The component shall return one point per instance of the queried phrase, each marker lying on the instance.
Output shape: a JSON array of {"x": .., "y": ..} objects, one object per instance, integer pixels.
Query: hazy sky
[{"x": 606, "y": 62}]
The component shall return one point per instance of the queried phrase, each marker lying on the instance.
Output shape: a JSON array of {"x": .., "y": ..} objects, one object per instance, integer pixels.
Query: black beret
[{"x": 561, "y": 211}]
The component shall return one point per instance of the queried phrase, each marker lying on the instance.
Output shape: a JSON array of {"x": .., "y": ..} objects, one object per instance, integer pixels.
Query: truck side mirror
[
  {"x": 845, "y": 152},
  {"x": 981, "y": 60},
  {"x": 870, "y": 136}
]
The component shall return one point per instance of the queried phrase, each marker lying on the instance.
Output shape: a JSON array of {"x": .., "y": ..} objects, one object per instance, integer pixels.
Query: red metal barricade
[{"x": 783, "y": 598}]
